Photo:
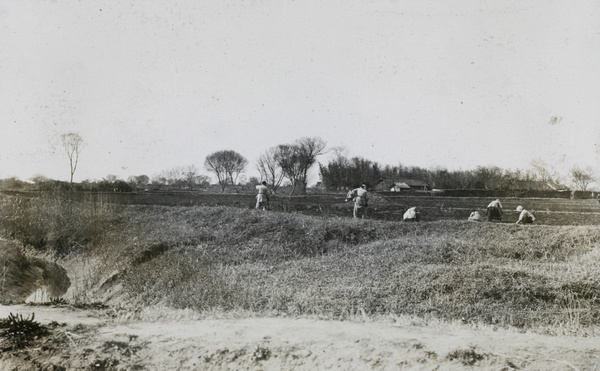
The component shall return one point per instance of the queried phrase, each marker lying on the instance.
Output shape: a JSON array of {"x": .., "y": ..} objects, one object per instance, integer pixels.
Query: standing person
[
  {"x": 525, "y": 217},
  {"x": 475, "y": 216},
  {"x": 359, "y": 196},
  {"x": 262, "y": 198},
  {"x": 411, "y": 215},
  {"x": 494, "y": 210}
]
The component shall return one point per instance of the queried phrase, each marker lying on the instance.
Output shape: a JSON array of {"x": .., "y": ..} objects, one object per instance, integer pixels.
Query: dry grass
[
  {"x": 231, "y": 260},
  {"x": 54, "y": 221}
]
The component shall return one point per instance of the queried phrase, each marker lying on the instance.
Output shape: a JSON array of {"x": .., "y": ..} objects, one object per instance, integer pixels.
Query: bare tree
[
  {"x": 269, "y": 168},
  {"x": 227, "y": 166},
  {"x": 582, "y": 177},
  {"x": 548, "y": 175},
  {"x": 72, "y": 143},
  {"x": 191, "y": 173},
  {"x": 296, "y": 159}
]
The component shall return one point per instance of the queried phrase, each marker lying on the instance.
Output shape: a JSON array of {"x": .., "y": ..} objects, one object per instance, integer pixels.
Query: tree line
[
  {"x": 344, "y": 172},
  {"x": 289, "y": 164}
]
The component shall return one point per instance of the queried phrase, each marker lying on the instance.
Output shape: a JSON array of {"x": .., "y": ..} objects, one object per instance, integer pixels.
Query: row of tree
[
  {"x": 344, "y": 172},
  {"x": 286, "y": 161},
  {"x": 291, "y": 163}
]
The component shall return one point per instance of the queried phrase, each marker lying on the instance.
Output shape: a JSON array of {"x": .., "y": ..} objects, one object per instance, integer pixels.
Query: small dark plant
[
  {"x": 261, "y": 354},
  {"x": 468, "y": 357},
  {"x": 19, "y": 331}
]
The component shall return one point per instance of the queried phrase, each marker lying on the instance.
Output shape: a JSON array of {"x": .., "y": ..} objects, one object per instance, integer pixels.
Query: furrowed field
[{"x": 314, "y": 259}]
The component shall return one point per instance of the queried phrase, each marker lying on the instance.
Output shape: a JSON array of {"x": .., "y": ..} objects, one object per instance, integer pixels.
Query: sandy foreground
[{"x": 90, "y": 339}]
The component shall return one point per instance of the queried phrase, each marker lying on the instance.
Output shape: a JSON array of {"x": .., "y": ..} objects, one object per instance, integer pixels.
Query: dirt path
[{"x": 91, "y": 340}]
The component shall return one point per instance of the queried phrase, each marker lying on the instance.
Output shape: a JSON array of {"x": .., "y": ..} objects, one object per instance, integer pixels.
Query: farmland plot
[
  {"x": 548, "y": 211},
  {"x": 492, "y": 281}
]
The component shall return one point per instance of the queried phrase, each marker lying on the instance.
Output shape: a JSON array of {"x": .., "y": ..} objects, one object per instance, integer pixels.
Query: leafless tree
[
  {"x": 296, "y": 159},
  {"x": 73, "y": 144},
  {"x": 269, "y": 168},
  {"x": 191, "y": 173},
  {"x": 227, "y": 166},
  {"x": 582, "y": 177}
]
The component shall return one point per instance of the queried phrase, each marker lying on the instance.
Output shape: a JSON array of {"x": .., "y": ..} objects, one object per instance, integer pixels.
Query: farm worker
[
  {"x": 494, "y": 210},
  {"x": 411, "y": 215},
  {"x": 262, "y": 198},
  {"x": 359, "y": 196},
  {"x": 475, "y": 216},
  {"x": 525, "y": 217}
]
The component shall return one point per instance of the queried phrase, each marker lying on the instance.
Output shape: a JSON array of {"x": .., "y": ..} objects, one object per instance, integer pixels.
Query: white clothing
[
  {"x": 524, "y": 215},
  {"x": 410, "y": 213},
  {"x": 495, "y": 203},
  {"x": 475, "y": 216}
]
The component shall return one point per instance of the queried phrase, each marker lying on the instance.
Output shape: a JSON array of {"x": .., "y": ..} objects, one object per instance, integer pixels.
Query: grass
[
  {"x": 54, "y": 221},
  {"x": 206, "y": 259}
]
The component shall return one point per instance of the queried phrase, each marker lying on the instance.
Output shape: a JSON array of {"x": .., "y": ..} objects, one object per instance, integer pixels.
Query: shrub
[
  {"x": 467, "y": 357},
  {"x": 19, "y": 331}
]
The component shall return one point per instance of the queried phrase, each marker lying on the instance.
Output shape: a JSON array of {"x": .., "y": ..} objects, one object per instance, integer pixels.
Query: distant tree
[
  {"x": 487, "y": 177},
  {"x": 73, "y": 144},
  {"x": 140, "y": 181},
  {"x": 253, "y": 182},
  {"x": 112, "y": 183},
  {"x": 39, "y": 179},
  {"x": 342, "y": 173},
  {"x": 269, "y": 169},
  {"x": 546, "y": 175},
  {"x": 179, "y": 177},
  {"x": 202, "y": 180},
  {"x": 11, "y": 183},
  {"x": 190, "y": 175},
  {"x": 296, "y": 160},
  {"x": 227, "y": 166},
  {"x": 111, "y": 178},
  {"x": 582, "y": 177}
]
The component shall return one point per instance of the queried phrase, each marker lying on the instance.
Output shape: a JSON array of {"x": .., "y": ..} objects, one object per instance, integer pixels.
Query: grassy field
[{"x": 544, "y": 277}]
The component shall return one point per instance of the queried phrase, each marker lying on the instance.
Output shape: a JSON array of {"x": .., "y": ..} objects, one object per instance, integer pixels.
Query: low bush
[
  {"x": 18, "y": 331},
  {"x": 467, "y": 357}
]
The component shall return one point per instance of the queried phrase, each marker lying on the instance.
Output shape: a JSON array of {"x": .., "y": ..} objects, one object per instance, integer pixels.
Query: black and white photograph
[{"x": 299, "y": 185}]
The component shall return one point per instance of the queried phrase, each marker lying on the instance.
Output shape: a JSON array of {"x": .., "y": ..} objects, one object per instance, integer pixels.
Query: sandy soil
[{"x": 90, "y": 339}]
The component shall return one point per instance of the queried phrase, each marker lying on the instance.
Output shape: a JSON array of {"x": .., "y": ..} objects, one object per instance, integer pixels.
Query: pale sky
[{"x": 152, "y": 85}]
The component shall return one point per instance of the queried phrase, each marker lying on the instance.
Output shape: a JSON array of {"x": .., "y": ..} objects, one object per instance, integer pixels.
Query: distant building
[
  {"x": 401, "y": 185},
  {"x": 557, "y": 187}
]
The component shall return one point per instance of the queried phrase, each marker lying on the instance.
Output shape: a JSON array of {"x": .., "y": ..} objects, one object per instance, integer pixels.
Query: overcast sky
[{"x": 151, "y": 85}]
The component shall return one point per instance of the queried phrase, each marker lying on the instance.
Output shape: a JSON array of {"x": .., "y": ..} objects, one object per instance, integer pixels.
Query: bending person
[
  {"x": 360, "y": 197},
  {"x": 525, "y": 217},
  {"x": 494, "y": 210}
]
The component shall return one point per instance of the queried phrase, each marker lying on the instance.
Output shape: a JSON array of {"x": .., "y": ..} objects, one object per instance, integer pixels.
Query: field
[
  {"x": 307, "y": 259},
  {"x": 548, "y": 211}
]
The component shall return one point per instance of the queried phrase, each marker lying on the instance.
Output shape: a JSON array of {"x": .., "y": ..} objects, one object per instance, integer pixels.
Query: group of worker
[
  {"x": 494, "y": 211},
  {"x": 359, "y": 196}
]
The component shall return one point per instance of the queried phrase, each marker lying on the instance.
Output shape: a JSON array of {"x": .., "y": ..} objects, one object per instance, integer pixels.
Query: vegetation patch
[
  {"x": 18, "y": 331},
  {"x": 226, "y": 258},
  {"x": 467, "y": 357}
]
